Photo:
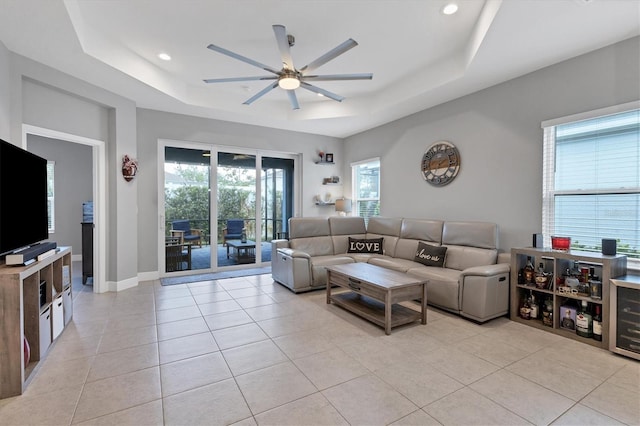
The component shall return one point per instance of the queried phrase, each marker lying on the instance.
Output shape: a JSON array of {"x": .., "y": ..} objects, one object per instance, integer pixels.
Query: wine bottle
[
  {"x": 584, "y": 321},
  {"x": 525, "y": 310},
  {"x": 597, "y": 324},
  {"x": 529, "y": 272},
  {"x": 533, "y": 305}
]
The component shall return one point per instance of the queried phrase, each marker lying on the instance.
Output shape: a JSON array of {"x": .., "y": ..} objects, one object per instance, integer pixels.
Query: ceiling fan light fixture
[{"x": 289, "y": 81}]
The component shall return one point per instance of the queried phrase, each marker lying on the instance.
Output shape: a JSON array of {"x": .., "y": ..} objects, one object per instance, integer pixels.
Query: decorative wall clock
[{"x": 440, "y": 163}]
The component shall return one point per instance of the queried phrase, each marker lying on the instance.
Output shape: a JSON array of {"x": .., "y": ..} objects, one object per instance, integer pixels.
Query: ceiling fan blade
[
  {"x": 293, "y": 99},
  {"x": 261, "y": 93},
  {"x": 283, "y": 45},
  {"x": 333, "y": 53},
  {"x": 323, "y": 92},
  {"x": 334, "y": 77},
  {"x": 228, "y": 80},
  {"x": 242, "y": 58}
]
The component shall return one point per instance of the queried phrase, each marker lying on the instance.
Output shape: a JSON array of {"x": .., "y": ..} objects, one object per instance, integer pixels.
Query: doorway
[
  {"x": 231, "y": 203},
  {"x": 98, "y": 194}
]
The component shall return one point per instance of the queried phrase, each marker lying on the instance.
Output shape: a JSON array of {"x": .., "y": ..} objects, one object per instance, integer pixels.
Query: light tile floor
[{"x": 248, "y": 351}]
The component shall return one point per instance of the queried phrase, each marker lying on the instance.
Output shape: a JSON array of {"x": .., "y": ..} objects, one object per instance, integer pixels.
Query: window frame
[
  {"x": 549, "y": 165},
  {"x": 354, "y": 185}
]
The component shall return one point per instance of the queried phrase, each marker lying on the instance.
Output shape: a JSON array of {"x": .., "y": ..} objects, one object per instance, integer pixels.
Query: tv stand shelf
[{"x": 23, "y": 314}]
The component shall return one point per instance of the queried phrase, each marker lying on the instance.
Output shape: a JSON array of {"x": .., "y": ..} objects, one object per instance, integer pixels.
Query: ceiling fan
[{"x": 290, "y": 78}]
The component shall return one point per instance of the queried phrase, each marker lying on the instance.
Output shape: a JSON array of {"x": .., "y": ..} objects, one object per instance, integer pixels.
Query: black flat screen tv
[{"x": 23, "y": 199}]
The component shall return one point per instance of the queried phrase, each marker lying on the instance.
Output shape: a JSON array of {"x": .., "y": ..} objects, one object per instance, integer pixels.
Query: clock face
[{"x": 440, "y": 163}]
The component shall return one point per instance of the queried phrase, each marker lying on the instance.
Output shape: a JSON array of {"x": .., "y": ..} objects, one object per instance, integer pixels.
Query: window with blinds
[
  {"x": 591, "y": 181},
  {"x": 366, "y": 188},
  {"x": 51, "y": 204}
]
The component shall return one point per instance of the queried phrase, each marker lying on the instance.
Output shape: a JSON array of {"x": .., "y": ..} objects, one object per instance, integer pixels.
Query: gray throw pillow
[
  {"x": 372, "y": 246},
  {"x": 430, "y": 255}
]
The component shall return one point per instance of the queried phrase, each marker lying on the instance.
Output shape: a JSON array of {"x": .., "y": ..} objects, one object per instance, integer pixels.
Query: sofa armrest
[
  {"x": 486, "y": 270},
  {"x": 294, "y": 253},
  {"x": 484, "y": 292},
  {"x": 277, "y": 244}
]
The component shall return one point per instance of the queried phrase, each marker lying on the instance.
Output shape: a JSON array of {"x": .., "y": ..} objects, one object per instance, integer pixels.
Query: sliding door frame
[{"x": 213, "y": 208}]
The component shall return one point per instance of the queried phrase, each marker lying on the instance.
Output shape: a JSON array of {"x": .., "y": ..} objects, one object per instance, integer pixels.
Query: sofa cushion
[
  {"x": 319, "y": 270},
  {"x": 397, "y": 264},
  {"x": 372, "y": 246},
  {"x": 442, "y": 286},
  {"x": 431, "y": 255},
  {"x": 461, "y": 258},
  {"x": 315, "y": 246}
]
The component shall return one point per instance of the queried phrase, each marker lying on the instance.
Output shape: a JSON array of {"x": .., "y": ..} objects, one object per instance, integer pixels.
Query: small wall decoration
[
  {"x": 329, "y": 157},
  {"x": 129, "y": 168},
  {"x": 440, "y": 163}
]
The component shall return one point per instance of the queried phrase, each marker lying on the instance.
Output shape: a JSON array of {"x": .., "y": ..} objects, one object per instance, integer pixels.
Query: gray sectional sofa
[{"x": 472, "y": 282}]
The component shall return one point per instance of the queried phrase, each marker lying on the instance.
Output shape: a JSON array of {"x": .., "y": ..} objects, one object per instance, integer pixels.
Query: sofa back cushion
[
  {"x": 412, "y": 232},
  {"x": 342, "y": 228},
  {"x": 421, "y": 229},
  {"x": 470, "y": 244},
  {"x": 472, "y": 234},
  {"x": 386, "y": 227},
  {"x": 311, "y": 235}
]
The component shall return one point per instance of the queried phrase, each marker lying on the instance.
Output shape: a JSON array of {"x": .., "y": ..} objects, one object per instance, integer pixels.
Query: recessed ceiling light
[
  {"x": 164, "y": 56},
  {"x": 450, "y": 9},
  {"x": 321, "y": 95}
]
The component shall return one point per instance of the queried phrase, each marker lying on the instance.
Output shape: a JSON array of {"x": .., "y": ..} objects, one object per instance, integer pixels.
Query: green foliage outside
[
  {"x": 623, "y": 249},
  {"x": 235, "y": 198}
]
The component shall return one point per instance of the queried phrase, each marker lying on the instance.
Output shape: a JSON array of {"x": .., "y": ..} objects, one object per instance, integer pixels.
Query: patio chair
[
  {"x": 233, "y": 231},
  {"x": 187, "y": 235},
  {"x": 178, "y": 257}
]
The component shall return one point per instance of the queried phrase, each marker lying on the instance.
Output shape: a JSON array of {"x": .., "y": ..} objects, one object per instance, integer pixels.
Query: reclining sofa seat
[{"x": 470, "y": 283}]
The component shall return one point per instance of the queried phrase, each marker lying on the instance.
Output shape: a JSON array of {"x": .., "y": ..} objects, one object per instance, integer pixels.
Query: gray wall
[
  {"x": 496, "y": 130},
  {"x": 498, "y": 134},
  {"x": 73, "y": 186},
  {"x": 44, "y": 97},
  {"x": 5, "y": 117},
  {"x": 154, "y": 125}
]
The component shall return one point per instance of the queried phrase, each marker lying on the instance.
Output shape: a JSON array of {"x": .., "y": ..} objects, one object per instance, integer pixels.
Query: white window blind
[
  {"x": 366, "y": 188},
  {"x": 591, "y": 182}
]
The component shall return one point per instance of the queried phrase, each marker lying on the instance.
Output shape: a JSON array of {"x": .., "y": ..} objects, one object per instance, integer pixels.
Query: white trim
[
  {"x": 99, "y": 195},
  {"x": 591, "y": 114},
  {"x": 122, "y": 285},
  {"x": 148, "y": 276},
  {"x": 370, "y": 160}
]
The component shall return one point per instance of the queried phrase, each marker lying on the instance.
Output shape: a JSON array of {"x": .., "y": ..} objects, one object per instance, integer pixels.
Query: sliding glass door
[
  {"x": 237, "y": 207},
  {"x": 187, "y": 209},
  {"x": 253, "y": 199}
]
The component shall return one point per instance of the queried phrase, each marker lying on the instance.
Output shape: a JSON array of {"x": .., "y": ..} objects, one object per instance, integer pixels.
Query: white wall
[
  {"x": 497, "y": 132},
  {"x": 155, "y": 125}
]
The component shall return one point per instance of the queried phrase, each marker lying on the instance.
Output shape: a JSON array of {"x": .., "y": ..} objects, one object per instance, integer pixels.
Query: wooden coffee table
[{"x": 375, "y": 293}]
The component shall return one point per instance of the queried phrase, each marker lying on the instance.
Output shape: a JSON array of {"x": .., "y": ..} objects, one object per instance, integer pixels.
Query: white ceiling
[{"x": 418, "y": 56}]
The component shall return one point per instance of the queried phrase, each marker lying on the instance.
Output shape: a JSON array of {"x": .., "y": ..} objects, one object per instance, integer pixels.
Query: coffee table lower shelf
[{"x": 373, "y": 310}]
